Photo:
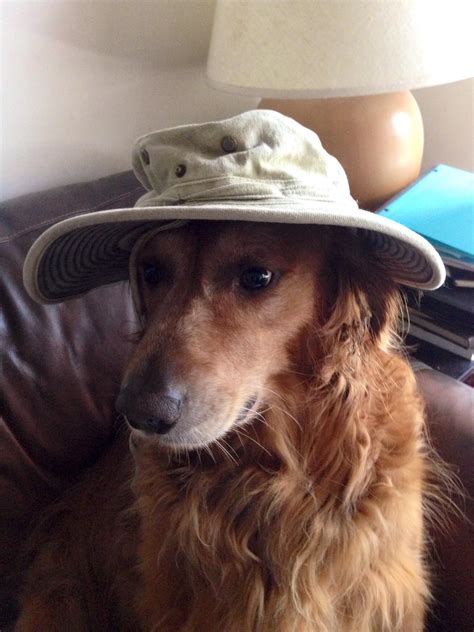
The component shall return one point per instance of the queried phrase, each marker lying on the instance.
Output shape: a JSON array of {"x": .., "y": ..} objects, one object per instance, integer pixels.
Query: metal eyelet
[
  {"x": 229, "y": 144},
  {"x": 180, "y": 171}
]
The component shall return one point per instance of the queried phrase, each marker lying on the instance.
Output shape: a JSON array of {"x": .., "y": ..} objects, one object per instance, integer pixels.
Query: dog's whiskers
[
  {"x": 230, "y": 448},
  {"x": 289, "y": 415},
  {"x": 279, "y": 395},
  {"x": 226, "y": 452},
  {"x": 209, "y": 451},
  {"x": 247, "y": 436},
  {"x": 257, "y": 414}
]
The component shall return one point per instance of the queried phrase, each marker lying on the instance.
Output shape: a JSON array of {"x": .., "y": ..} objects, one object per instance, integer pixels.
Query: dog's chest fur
[
  {"x": 255, "y": 545},
  {"x": 314, "y": 532}
]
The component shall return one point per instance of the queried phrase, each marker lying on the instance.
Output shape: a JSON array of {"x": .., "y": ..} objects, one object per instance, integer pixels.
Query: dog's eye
[
  {"x": 255, "y": 278},
  {"x": 151, "y": 273}
]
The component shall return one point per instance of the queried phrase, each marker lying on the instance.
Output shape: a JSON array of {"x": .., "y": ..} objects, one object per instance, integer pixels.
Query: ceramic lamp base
[{"x": 377, "y": 138}]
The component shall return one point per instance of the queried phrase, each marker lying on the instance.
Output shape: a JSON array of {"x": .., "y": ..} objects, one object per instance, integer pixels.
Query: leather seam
[{"x": 55, "y": 220}]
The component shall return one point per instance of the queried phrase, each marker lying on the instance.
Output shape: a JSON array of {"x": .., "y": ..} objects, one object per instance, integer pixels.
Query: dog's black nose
[
  {"x": 151, "y": 412},
  {"x": 160, "y": 425}
]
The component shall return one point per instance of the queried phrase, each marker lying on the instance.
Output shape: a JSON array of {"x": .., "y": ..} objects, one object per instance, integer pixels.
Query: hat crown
[{"x": 255, "y": 155}]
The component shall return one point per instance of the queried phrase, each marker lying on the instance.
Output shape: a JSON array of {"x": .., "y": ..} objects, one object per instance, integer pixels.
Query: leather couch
[{"x": 60, "y": 369}]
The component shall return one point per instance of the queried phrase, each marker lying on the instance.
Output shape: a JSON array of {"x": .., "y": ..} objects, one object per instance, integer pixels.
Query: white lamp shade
[{"x": 312, "y": 48}]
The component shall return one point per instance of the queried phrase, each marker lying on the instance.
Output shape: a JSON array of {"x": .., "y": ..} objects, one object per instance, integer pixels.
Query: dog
[{"x": 271, "y": 468}]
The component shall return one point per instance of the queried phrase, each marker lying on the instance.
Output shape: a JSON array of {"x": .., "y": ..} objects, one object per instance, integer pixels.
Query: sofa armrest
[
  {"x": 450, "y": 418},
  {"x": 60, "y": 367}
]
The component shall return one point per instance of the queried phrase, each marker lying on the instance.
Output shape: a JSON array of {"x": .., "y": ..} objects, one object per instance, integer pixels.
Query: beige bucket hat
[{"x": 258, "y": 166}]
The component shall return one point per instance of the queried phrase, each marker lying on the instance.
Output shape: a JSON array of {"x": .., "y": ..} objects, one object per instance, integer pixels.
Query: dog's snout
[
  {"x": 152, "y": 412},
  {"x": 160, "y": 425},
  {"x": 166, "y": 413}
]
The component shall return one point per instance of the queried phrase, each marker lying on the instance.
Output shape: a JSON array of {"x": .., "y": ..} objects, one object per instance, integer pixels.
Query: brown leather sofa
[{"x": 60, "y": 370}]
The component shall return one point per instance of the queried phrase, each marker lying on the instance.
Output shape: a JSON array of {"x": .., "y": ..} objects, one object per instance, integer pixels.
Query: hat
[{"x": 259, "y": 166}]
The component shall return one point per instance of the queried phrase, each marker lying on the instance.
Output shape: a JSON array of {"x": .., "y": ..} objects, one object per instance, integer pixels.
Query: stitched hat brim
[{"x": 88, "y": 251}]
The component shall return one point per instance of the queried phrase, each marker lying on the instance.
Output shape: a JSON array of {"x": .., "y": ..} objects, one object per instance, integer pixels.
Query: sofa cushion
[{"x": 60, "y": 365}]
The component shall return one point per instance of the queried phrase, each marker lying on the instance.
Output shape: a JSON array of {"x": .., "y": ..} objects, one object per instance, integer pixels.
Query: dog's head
[{"x": 227, "y": 308}]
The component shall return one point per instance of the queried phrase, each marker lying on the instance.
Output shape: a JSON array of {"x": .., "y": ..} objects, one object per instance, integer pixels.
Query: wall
[
  {"x": 448, "y": 117},
  {"x": 81, "y": 80}
]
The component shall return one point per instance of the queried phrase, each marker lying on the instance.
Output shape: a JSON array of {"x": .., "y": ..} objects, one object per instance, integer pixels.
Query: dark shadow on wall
[{"x": 163, "y": 34}]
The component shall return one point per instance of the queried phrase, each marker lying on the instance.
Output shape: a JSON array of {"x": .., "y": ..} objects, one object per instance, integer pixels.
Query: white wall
[
  {"x": 82, "y": 79},
  {"x": 448, "y": 117}
]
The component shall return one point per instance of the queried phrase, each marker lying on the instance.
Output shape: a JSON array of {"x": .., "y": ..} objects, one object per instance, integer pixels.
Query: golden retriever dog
[{"x": 272, "y": 473}]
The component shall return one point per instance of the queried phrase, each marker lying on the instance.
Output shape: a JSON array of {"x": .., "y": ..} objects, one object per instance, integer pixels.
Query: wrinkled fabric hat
[{"x": 258, "y": 166}]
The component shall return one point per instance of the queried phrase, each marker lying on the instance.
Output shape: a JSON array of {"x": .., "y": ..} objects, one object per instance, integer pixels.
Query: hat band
[{"x": 238, "y": 190}]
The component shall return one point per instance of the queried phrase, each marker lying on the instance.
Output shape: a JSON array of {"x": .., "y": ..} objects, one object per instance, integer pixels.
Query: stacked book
[
  {"x": 440, "y": 206},
  {"x": 445, "y": 319}
]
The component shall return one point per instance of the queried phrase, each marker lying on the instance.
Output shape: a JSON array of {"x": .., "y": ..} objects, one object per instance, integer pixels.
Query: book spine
[
  {"x": 461, "y": 335},
  {"x": 438, "y": 341}
]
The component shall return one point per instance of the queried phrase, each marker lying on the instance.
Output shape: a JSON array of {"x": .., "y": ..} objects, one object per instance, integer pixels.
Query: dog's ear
[
  {"x": 356, "y": 314},
  {"x": 363, "y": 301}
]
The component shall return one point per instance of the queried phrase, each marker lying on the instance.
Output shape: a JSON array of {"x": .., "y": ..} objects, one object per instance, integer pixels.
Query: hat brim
[{"x": 91, "y": 250}]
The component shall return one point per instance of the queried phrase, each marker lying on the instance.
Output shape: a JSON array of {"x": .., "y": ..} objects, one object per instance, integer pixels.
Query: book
[
  {"x": 444, "y": 318},
  {"x": 460, "y": 334},
  {"x": 440, "y": 359},
  {"x": 440, "y": 206},
  {"x": 446, "y": 306},
  {"x": 458, "y": 277},
  {"x": 454, "y": 302},
  {"x": 439, "y": 341}
]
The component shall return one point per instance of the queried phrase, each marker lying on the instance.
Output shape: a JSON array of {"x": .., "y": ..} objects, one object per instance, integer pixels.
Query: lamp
[{"x": 344, "y": 69}]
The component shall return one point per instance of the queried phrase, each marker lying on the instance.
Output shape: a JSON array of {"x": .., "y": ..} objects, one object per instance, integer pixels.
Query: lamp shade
[{"x": 310, "y": 48}]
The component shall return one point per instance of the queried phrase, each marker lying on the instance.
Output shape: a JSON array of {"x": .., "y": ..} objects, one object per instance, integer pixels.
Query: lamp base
[{"x": 377, "y": 138}]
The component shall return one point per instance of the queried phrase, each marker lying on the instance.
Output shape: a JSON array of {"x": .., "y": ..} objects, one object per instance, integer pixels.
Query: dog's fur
[{"x": 302, "y": 514}]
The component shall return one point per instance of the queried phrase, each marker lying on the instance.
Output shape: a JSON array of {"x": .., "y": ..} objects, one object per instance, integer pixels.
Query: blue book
[{"x": 439, "y": 206}]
